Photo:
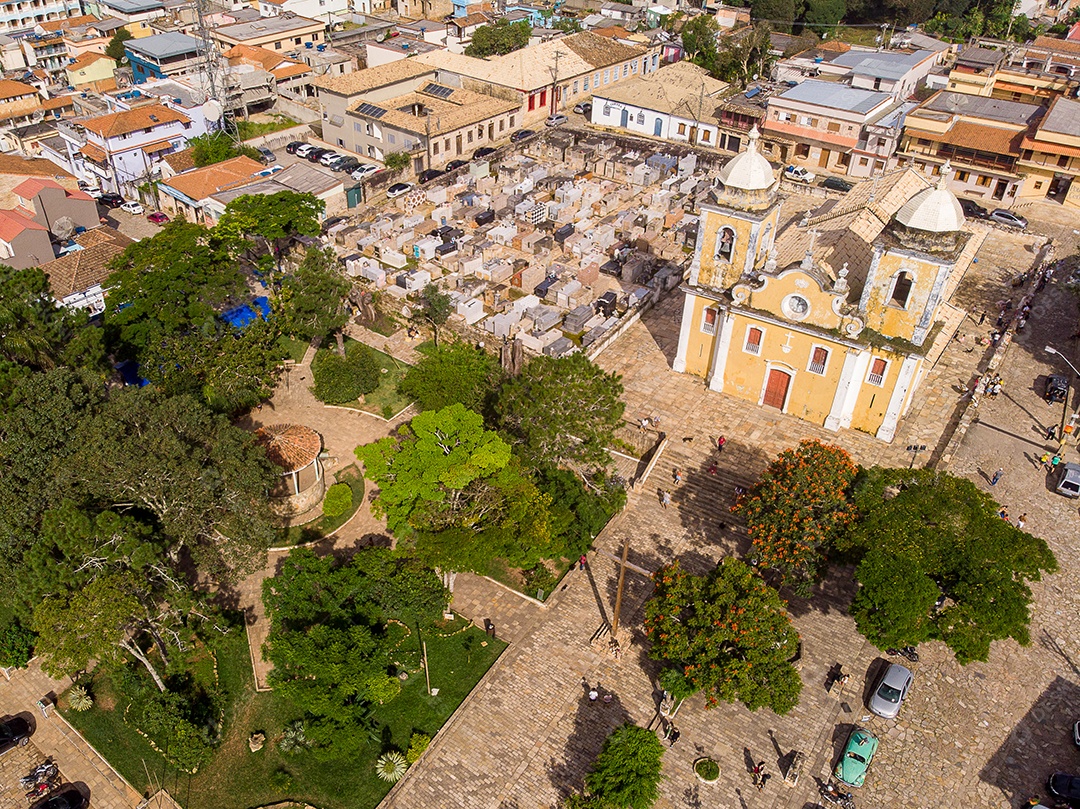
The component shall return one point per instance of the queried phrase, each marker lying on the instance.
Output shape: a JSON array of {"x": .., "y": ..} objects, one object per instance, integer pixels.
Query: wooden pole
[
  {"x": 427, "y": 673},
  {"x": 619, "y": 589}
]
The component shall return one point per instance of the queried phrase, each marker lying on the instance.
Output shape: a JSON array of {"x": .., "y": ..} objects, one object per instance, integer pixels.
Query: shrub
[
  {"x": 391, "y": 766},
  {"x": 172, "y": 720},
  {"x": 418, "y": 743},
  {"x": 343, "y": 380},
  {"x": 539, "y": 578},
  {"x": 281, "y": 780},
  {"x": 707, "y": 769},
  {"x": 79, "y": 699},
  {"x": 396, "y": 161},
  {"x": 338, "y": 500},
  {"x": 16, "y": 645},
  {"x": 293, "y": 738}
]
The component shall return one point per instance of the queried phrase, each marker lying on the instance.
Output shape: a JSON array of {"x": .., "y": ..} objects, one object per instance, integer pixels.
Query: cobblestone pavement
[
  {"x": 482, "y": 600},
  {"x": 53, "y": 737}
]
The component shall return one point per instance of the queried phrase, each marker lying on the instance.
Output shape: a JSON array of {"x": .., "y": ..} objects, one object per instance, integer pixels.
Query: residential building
[
  {"x": 1050, "y": 155},
  {"x": 876, "y": 150},
  {"x": 974, "y": 70},
  {"x": 16, "y": 169},
  {"x": 459, "y": 30},
  {"x": 77, "y": 277},
  {"x": 825, "y": 121},
  {"x": 289, "y": 75},
  {"x": 163, "y": 56},
  {"x": 23, "y": 242},
  {"x": 981, "y": 137},
  {"x": 897, "y": 72},
  {"x": 677, "y": 102},
  {"x": 186, "y": 194},
  {"x": 282, "y": 33},
  {"x": 136, "y": 14},
  {"x": 92, "y": 71},
  {"x": 19, "y": 16},
  {"x": 49, "y": 201},
  {"x": 398, "y": 48},
  {"x": 835, "y": 318},
  {"x": 994, "y": 74},
  {"x": 312, "y": 9},
  {"x": 45, "y": 51},
  {"x": 1052, "y": 55},
  {"x": 428, "y": 29},
  {"x": 301, "y": 177},
  {"x": 12, "y": 58},
  {"x": 183, "y": 95},
  {"x": 91, "y": 36}
]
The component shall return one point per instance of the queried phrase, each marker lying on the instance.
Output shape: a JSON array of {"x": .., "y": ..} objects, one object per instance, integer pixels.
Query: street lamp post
[{"x": 1065, "y": 405}]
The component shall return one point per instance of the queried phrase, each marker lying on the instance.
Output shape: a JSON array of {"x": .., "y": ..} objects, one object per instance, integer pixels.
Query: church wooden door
[{"x": 776, "y": 389}]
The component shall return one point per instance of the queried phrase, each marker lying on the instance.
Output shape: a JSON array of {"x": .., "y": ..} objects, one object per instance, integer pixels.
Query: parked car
[
  {"x": 584, "y": 108},
  {"x": 158, "y": 218},
  {"x": 94, "y": 192},
  {"x": 799, "y": 174},
  {"x": 398, "y": 190},
  {"x": 837, "y": 184},
  {"x": 521, "y": 135},
  {"x": 331, "y": 221},
  {"x": 427, "y": 175},
  {"x": 315, "y": 155},
  {"x": 293, "y": 145},
  {"x": 14, "y": 732},
  {"x": 1003, "y": 217},
  {"x": 454, "y": 165},
  {"x": 70, "y": 798},
  {"x": 483, "y": 151},
  {"x": 891, "y": 691},
  {"x": 1068, "y": 480},
  {"x": 347, "y": 164},
  {"x": 973, "y": 210},
  {"x": 266, "y": 157},
  {"x": 1066, "y": 787},
  {"x": 304, "y": 149},
  {"x": 856, "y": 758},
  {"x": 112, "y": 200},
  {"x": 363, "y": 170},
  {"x": 556, "y": 120},
  {"x": 132, "y": 207},
  {"x": 328, "y": 158},
  {"x": 1057, "y": 388}
]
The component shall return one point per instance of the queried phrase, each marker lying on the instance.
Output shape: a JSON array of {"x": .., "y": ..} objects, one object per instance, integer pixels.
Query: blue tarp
[
  {"x": 129, "y": 372},
  {"x": 241, "y": 316}
]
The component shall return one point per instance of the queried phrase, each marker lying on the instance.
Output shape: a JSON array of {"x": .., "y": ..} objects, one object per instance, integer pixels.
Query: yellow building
[{"x": 831, "y": 317}]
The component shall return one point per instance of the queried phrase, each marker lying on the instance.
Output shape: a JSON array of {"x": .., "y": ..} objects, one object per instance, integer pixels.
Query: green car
[{"x": 858, "y": 753}]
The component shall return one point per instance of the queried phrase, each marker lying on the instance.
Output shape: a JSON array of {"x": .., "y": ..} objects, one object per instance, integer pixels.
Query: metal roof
[
  {"x": 837, "y": 96},
  {"x": 1063, "y": 117},
  {"x": 164, "y": 46},
  {"x": 994, "y": 109},
  {"x": 885, "y": 65},
  {"x": 133, "y": 6}
]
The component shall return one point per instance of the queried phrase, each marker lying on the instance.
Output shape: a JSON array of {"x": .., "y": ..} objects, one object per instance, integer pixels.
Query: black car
[
  {"x": 111, "y": 200},
  {"x": 1057, "y": 388},
  {"x": 333, "y": 220},
  {"x": 14, "y": 732},
  {"x": 1066, "y": 787},
  {"x": 70, "y": 798},
  {"x": 837, "y": 184},
  {"x": 521, "y": 135},
  {"x": 483, "y": 151},
  {"x": 427, "y": 175},
  {"x": 316, "y": 154},
  {"x": 346, "y": 164},
  {"x": 973, "y": 209},
  {"x": 293, "y": 146},
  {"x": 454, "y": 165}
]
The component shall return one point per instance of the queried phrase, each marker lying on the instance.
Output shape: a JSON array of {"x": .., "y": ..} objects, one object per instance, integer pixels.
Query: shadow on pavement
[{"x": 593, "y": 722}]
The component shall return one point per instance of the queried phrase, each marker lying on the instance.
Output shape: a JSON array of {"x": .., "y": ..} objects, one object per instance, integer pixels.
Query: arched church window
[
  {"x": 725, "y": 244},
  {"x": 901, "y": 290},
  {"x": 641, "y": 117}
]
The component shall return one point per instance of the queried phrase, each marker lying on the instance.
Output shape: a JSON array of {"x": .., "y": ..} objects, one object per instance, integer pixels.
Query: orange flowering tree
[
  {"x": 726, "y": 634},
  {"x": 798, "y": 510}
]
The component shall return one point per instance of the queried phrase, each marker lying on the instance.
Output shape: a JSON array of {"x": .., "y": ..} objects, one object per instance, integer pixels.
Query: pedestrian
[
  {"x": 982, "y": 317},
  {"x": 1000, "y": 320},
  {"x": 665, "y": 499},
  {"x": 997, "y": 476},
  {"x": 720, "y": 443},
  {"x": 1045, "y": 461},
  {"x": 1054, "y": 462},
  {"x": 593, "y": 694},
  {"x": 674, "y": 737},
  {"x": 757, "y": 771},
  {"x": 582, "y": 561},
  {"x": 712, "y": 468},
  {"x": 1021, "y": 521},
  {"x": 1051, "y": 431},
  {"x": 1004, "y": 513},
  {"x": 643, "y": 425},
  {"x": 761, "y": 783},
  {"x": 678, "y": 476}
]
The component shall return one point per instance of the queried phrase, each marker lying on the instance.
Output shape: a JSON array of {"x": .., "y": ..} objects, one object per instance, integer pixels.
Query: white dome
[
  {"x": 748, "y": 170},
  {"x": 933, "y": 210}
]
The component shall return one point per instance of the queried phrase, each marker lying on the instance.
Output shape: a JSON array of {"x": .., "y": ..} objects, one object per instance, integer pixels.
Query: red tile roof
[
  {"x": 13, "y": 223},
  {"x": 289, "y": 446},
  {"x": 122, "y": 123}
]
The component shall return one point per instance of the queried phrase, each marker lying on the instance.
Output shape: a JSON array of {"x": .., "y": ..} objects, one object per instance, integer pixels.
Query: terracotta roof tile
[
  {"x": 13, "y": 223},
  {"x": 82, "y": 269},
  {"x": 31, "y": 167},
  {"x": 181, "y": 161},
  {"x": 88, "y": 58},
  {"x": 127, "y": 121},
  {"x": 95, "y": 153},
  {"x": 360, "y": 81},
  {"x": 14, "y": 89},
  {"x": 289, "y": 446},
  {"x": 68, "y": 22},
  {"x": 200, "y": 183}
]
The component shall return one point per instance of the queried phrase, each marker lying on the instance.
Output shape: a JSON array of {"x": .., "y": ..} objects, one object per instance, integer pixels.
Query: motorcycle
[
  {"x": 832, "y": 794},
  {"x": 46, "y": 771},
  {"x": 908, "y": 652}
]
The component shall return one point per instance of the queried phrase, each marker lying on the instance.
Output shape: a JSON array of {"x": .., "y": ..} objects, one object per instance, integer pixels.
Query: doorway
[
  {"x": 1000, "y": 189},
  {"x": 624, "y": 119},
  {"x": 776, "y": 389},
  {"x": 459, "y": 144},
  {"x": 823, "y": 160},
  {"x": 657, "y": 126}
]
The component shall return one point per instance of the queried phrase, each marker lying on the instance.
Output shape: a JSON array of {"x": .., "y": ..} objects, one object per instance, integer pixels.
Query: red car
[{"x": 157, "y": 217}]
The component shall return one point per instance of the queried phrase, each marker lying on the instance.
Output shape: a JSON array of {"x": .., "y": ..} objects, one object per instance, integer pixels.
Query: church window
[
  {"x": 901, "y": 290},
  {"x": 725, "y": 244},
  {"x": 708, "y": 322},
  {"x": 641, "y": 117},
  {"x": 753, "y": 340},
  {"x": 819, "y": 358},
  {"x": 877, "y": 372},
  {"x": 795, "y": 307}
]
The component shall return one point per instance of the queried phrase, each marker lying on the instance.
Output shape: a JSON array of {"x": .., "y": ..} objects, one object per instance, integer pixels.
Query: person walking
[
  {"x": 720, "y": 443},
  {"x": 1021, "y": 521},
  {"x": 758, "y": 771},
  {"x": 761, "y": 783},
  {"x": 674, "y": 736},
  {"x": 1004, "y": 513},
  {"x": 593, "y": 694},
  {"x": 997, "y": 476},
  {"x": 677, "y": 476},
  {"x": 665, "y": 499},
  {"x": 582, "y": 561},
  {"x": 1051, "y": 431}
]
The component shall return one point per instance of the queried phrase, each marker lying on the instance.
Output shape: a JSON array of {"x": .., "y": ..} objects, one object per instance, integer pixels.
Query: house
[
  {"x": 459, "y": 30},
  {"x": 186, "y": 194},
  {"x": 313, "y": 9},
  {"x": 832, "y": 319},
  {"x": 92, "y": 71},
  {"x": 19, "y": 103},
  {"x": 289, "y": 75},
  {"x": 1052, "y": 55},
  {"x": 1050, "y": 155},
  {"x": 897, "y": 72},
  {"x": 428, "y": 29},
  {"x": 301, "y": 177},
  {"x": 91, "y": 36},
  {"x": 163, "y": 56},
  {"x": 1019, "y": 77},
  {"x": 981, "y": 137},
  {"x": 824, "y": 120},
  {"x": 45, "y": 51},
  {"x": 622, "y": 14},
  {"x": 398, "y": 48},
  {"x": 77, "y": 278},
  {"x": 677, "y": 102},
  {"x": 18, "y": 16},
  {"x": 136, "y": 14},
  {"x": 23, "y": 242},
  {"x": 282, "y": 33},
  {"x": 16, "y": 169},
  {"x": 50, "y": 201}
]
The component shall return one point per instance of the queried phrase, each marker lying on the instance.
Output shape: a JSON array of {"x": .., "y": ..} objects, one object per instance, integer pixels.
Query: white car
[
  {"x": 304, "y": 150},
  {"x": 363, "y": 171},
  {"x": 330, "y": 157},
  {"x": 133, "y": 208},
  {"x": 556, "y": 120},
  {"x": 398, "y": 190},
  {"x": 799, "y": 174}
]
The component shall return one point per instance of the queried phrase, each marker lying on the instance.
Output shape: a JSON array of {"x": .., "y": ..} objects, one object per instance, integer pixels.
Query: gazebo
[{"x": 295, "y": 450}]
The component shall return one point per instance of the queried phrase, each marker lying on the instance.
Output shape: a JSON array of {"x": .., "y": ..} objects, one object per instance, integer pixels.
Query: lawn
[
  {"x": 292, "y": 348},
  {"x": 255, "y": 129},
  {"x": 323, "y": 526},
  {"x": 237, "y": 778}
]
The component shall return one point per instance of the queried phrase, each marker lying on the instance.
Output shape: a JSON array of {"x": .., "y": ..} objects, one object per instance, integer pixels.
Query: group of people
[{"x": 760, "y": 775}]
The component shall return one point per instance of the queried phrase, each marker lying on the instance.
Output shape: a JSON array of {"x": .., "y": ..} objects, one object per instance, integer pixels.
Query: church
[{"x": 835, "y": 316}]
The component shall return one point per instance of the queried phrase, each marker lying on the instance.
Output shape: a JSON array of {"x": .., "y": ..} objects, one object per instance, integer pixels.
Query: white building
[
  {"x": 313, "y": 9},
  {"x": 21, "y": 16}
]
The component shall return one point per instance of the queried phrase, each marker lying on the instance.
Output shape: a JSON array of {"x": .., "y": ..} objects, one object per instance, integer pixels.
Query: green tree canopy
[
  {"x": 115, "y": 49},
  {"x": 501, "y": 37},
  {"x": 823, "y": 15},
  {"x": 264, "y": 223},
  {"x": 341, "y": 380},
  {"x": 627, "y": 773},
  {"x": 798, "y": 509},
  {"x": 923, "y": 536},
  {"x": 217, "y": 146},
  {"x": 781, "y": 14},
  {"x": 453, "y": 374},
  {"x": 312, "y": 296},
  {"x": 727, "y": 633},
  {"x": 562, "y": 410},
  {"x": 435, "y": 307}
]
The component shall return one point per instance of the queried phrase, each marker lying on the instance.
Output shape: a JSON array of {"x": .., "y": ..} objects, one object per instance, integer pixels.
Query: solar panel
[
  {"x": 438, "y": 91},
  {"x": 371, "y": 110}
]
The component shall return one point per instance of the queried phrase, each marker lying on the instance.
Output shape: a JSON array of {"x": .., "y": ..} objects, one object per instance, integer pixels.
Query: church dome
[
  {"x": 933, "y": 210},
  {"x": 748, "y": 170}
]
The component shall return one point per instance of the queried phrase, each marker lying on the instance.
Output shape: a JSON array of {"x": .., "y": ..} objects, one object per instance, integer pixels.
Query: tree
[
  {"x": 312, "y": 296},
  {"x": 780, "y": 14},
  {"x": 823, "y": 15},
  {"x": 341, "y": 380},
  {"x": 747, "y": 55},
  {"x": 798, "y": 510},
  {"x": 562, "y": 410},
  {"x": 567, "y": 24},
  {"x": 939, "y": 563},
  {"x": 115, "y": 49},
  {"x": 453, "y": 374},
  {"x": 218, "y": 146},
  {"x": 699, "y": 40},
  {"x": 627, "y": 773},
  {"x": 435, "y": 307},
  {"x": 396, "y": 161},
  {"x": 264, "y": 223},
  {"x": 499, "y": 38},
  {"x": 727, "y": 633}
]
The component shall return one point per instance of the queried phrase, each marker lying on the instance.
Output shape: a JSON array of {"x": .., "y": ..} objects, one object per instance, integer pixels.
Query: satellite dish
[
  {"x": 212, "y": 110},
  {"x": 63, "y": 228},
  {"x": 381, "y": 37},
  {"x": 406, "y": 311}
]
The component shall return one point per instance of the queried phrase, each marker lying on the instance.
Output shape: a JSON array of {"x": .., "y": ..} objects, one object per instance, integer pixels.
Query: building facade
[{"x": 1050, "y": 155}]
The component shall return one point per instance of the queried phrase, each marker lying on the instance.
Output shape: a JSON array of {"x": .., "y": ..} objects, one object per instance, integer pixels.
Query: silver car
[{"x": 891, "y": 690}]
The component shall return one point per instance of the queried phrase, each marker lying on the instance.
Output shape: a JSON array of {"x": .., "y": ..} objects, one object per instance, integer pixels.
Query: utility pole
[
  {"x": 619, "y": 589},
  {"x": 555, "y": 79},
  {"x": 427, "y": 139}
]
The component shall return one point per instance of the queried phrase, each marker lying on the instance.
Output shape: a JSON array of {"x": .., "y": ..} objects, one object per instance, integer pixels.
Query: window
[
  {"x": 706, "y": 136},
  {"x": 725, "y": 244},
  {"x": 543, "y": 98},
  {"x": 962, "y": 176},
  {"x": 833, "y": 127},
  {"x": 708, "y": 321},
  {"x": 446, "y": 145},
  {"x": 532, "y": 102},
  {"x": 298, "y": 40},
  {"x": 641, "y": 117},
  {"x": 682, "y": 129},
  {"x": 575, "y": 88},
  {"x": 1038, "y": 186},
  {"x": 356, "y": 125},
  {"x": 753, "y": 340},
  {"x": 1063, "y": 161},
  {"x": 340, "y": 142},
  {"x": 479, "y": 133},
  {"x": 470, "y": 136},
  {"x": 605, "y": 77},
  {"x": 877, "y": 372},
  {"x": 502, "y": 124},
  {"x": 596, "y": 79},
  {"x": 625, "y": 71},
  {"x": 819, "y": 358},
  {"x": 982, "y": 180},
  {"x": 585, "y": 84},
  {"x": 277, "y": 45},
  {"x": 633, "y": 66},
  {"x": 901, "y": 290},
  {"x": 511, "y": 121},
  {"x": 435, "y": 147}
]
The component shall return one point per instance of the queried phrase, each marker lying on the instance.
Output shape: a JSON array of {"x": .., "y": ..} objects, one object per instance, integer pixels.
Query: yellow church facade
[{"x": 838, "y": 335}]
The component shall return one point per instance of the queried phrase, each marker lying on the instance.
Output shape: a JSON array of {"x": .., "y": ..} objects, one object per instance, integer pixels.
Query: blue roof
[
  {"x": 836, "y": 96},
  {"x": 163, "y": 46}
]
